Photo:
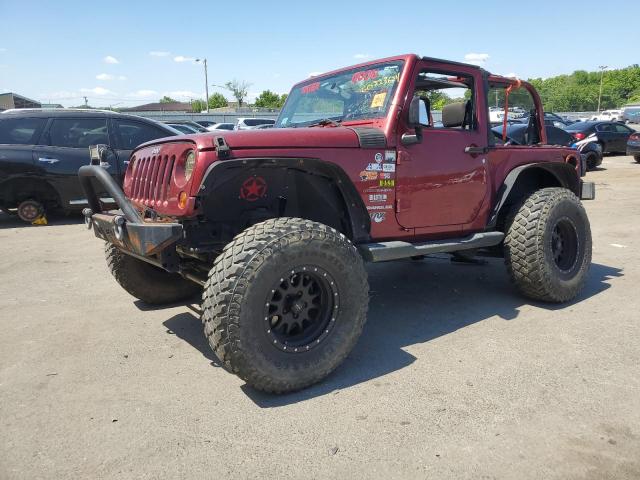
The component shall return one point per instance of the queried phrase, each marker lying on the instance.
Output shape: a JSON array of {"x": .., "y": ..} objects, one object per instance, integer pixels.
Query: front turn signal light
[{"x": 182, "y": 200}]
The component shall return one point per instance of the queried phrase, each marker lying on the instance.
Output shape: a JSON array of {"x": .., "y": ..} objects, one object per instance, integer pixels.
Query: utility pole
[
  {"x": 206, "y": 80},
  {"x": 602, "y": 69},
  {"x": 86, "y": 103}
]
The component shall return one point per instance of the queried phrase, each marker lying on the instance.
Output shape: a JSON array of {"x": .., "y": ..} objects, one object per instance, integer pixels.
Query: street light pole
[
  {"x": 206, "y": 80},
  {"x": 602, "y": 69}
]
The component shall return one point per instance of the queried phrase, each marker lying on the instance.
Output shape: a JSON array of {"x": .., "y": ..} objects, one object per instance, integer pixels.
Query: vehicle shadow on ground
[
  {"x": 410, "y": 303},
  {"x": 12, "y": 221}
]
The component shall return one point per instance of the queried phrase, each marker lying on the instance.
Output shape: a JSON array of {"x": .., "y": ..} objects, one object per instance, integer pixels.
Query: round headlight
[{"x": 189, "y": 164}]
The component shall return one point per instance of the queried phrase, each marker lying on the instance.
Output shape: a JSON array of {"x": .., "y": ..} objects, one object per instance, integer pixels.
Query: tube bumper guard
[{"x": 124, "y": 228}]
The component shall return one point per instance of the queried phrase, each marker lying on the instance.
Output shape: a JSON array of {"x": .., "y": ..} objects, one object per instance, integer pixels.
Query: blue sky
[{"x": 131, "y": 52}]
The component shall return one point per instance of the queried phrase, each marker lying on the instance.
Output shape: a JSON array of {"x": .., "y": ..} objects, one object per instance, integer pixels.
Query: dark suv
[{"x": 42, "y": 150}]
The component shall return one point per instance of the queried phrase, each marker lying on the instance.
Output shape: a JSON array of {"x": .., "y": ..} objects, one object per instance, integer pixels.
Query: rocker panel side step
[{"x": 385, "y": 251}]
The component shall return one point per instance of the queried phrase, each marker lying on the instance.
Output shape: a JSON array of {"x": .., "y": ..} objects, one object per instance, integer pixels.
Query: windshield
[{"x": 359, "y": 93}]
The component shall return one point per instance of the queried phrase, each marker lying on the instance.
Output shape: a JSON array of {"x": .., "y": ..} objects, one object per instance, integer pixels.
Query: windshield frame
[{"x": 294, "y": 96}]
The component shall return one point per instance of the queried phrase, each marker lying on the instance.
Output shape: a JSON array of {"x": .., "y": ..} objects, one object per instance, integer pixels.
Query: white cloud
[
  {"x": 181, "y": 59},
  {"x": 157, "y": 53},
  {"x": 62, "y": 94},
  {"x": 314, "y": 74},
  {"x": 142, "y": 94},
  {"x": 110, "y": 59},
  {"x": 108, "y": 76},
  {"x": 511, "y": 75},
  {"x": 97, "y": 91},
  {"x": 476, "y": 58},
  {"x": 184, "y": 94},
  {"x": 361, "y": 56}
]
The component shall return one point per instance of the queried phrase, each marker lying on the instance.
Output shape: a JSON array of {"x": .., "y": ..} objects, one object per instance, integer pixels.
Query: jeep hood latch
[{"x": 222, "y": 148}]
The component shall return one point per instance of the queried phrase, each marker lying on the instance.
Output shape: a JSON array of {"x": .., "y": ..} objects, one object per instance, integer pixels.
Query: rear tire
[
  {"x": 548, "y": 245},
  {"x": 147, "y": 282},
  {"x": 285, "y": 303}
]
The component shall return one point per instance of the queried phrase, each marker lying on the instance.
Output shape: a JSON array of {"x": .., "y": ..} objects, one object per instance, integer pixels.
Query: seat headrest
[{"x": 453, "y": 114}]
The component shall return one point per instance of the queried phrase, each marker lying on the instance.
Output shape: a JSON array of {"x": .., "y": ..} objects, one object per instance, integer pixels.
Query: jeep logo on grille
[{"x": 155, "y": 150}]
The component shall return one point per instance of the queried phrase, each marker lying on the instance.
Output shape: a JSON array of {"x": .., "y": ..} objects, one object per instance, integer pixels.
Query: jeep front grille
[{"x": 151, "y": 179}]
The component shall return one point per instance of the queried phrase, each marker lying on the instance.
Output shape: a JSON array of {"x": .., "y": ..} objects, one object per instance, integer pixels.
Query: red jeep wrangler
[{"x": 276, "y": 224}]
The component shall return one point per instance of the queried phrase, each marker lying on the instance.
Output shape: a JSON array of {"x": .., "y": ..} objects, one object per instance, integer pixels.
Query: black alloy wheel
[
  {"x": 299, "y": 311},
  {"x": 564, "y": 244}
]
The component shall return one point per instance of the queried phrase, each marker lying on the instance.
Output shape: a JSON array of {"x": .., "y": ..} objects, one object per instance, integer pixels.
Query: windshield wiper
[{"x": 326, "y": 121}]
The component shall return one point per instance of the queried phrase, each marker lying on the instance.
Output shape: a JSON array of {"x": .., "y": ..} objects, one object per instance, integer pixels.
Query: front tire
[
  {"x": 548, "y": 245},
  {"x": 147, "y": 282},
  {"x": 285, "y": 303}
]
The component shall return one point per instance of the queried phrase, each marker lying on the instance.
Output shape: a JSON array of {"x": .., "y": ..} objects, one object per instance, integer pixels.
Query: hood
[{"x": 313, "y": 137}]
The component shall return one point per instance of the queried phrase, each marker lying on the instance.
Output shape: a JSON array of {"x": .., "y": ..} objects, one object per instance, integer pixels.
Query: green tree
[
  {"x": 167, "y": 99},
  {"x": 268, "y": 99},
  {"x": 198, "y": 105},
  {"x": 217, "y": 100},
  {"x": 579, "y": 91}
]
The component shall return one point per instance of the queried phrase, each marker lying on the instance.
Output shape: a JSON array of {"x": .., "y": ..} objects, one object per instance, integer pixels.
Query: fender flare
[
  {"x": 564, "y": 173},
  {"x": 360, "y": 222}
]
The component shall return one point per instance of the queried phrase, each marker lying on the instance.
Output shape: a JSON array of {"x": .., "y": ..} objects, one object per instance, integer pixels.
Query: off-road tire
[
  {"x": 235, "y": 315},
  {"x": 528, "y": 249},
  {"x": 147, "y": 282}
]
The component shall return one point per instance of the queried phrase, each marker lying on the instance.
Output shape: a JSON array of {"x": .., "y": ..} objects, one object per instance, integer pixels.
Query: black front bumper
[{"x": 125, "y": 228}]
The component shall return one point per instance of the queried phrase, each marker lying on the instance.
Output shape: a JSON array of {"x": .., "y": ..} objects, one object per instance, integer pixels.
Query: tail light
[{"x": 579, "y": 136}]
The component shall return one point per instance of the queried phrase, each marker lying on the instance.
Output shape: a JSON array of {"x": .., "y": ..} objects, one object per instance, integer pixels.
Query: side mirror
[
  {"x": 99, "y": 153},
  {"x": 414, "y": 112},
  {"x": 415, "y": 107}
]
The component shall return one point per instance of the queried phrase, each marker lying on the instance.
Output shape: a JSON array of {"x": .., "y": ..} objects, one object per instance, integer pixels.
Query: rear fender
[{"x": 526, "y": 178}]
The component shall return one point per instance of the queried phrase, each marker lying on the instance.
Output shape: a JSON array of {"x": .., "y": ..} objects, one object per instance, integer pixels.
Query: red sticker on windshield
[
  {"x": 312, "y": 87},
  {"x": 362, "y": 76}
]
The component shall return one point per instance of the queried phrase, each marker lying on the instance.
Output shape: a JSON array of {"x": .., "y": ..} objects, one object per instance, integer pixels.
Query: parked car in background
[
  {"x": 221, "y": 126},
  {"x": 516, "y": 135},
  {"x": 41, "y": 151},
  {"x": 251, "y": 123},
  {"x": 609, "y": 116},
  {"x": 205, "y": 123},
  {"x": 631, "y": 114},
  {"x": 633, "y": 146},
  {"x": 550, "y": 119},
  {"x": 187, "y": 123},
  {"x": 612, "y": 136},
  {"x": 182, "y": 128}
]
